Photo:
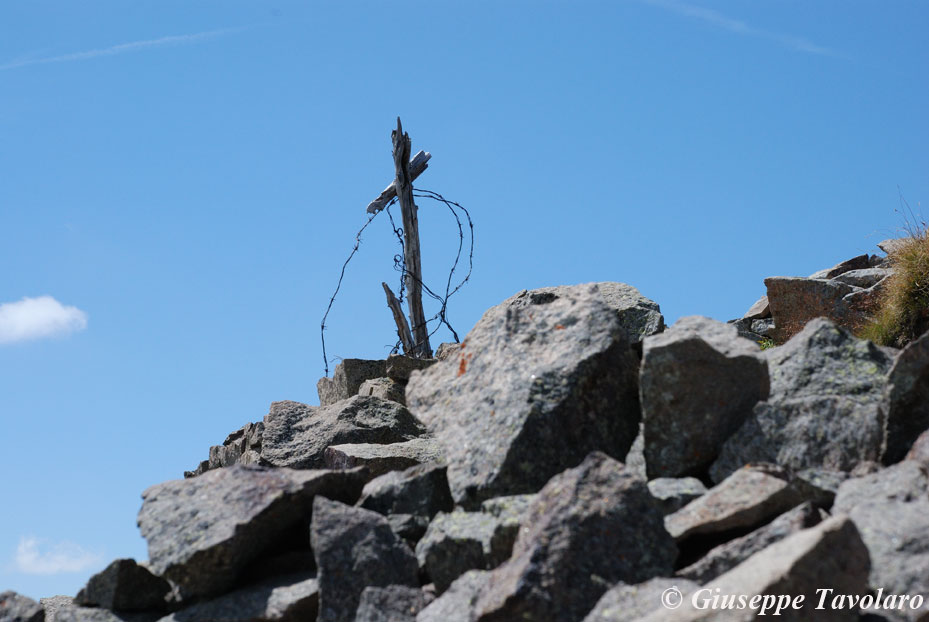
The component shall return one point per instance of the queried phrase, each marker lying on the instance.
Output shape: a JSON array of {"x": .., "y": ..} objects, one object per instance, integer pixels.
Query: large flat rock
[
  {"x": 589, "y": 528},
  {"x": 296, "y": 435},
  {"x": 539, "y": 382},
  {"x": 380, "y": 459},
  {"x": 750, "y": 497},
  {"x": 795, "y": 301},
  {"x": 825, "y": 410},
  {"x": 698, "y": 382},
  {"x": 205, "y": 531},
  {"x": 891, "y": 510}
]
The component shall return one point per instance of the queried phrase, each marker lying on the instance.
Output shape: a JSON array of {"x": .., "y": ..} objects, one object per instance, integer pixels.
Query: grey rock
[
  {"x": 919, "y": 452},
  {"x": 355, "y": 548},
  {"x": 410, "y": 527},
  {"x": 513, "y": 508},
  {"x": 891, "y": 510},
  {"x": 827, "y": 482},
  {"x": 907, "y": 395},
  {"x": 74, "y": 613},
  {"x": 825, "y": 409},
  {"x": 758, "y": 311},
  {"x": 241, "y": 447},
  {"x": 865, "y": 277},
  {"x": 797, "y": 301},
  {"x": 204, "y": 532},
  {"x": 744, "y": 329},
  {"x": 458, "y": 603},
  {"x": 54, "y": 604},
  {"x": 294, "y": 561},
  {"x": 347, "y": 379},
  {"x": 638, "y": 315},
  {"x": 297, "y": 435},
  {"x": 834, "y": 433},
  {"x": 892, "y": 245},
  {"x": 859, "y": 262},
  {"x": 830, "y": 555},
  {"x": 446, "y": 350},
  {"x": 421, "y": 490},
  {"x": 629, "y": 603},
  {"x": 589, "y": 528},
  {"x": 635, "y": 458},
  {"x": 18, "y": 608},
  {"x": 282, "y": 599},
  {"x": 861, "y": 305},
  {"x": 748, "y": 498},
  {"x": 699, "y": 381},
  {"x": 380, "y": 459},
  {"x": 827, "y": 360},
  {"x": 726, "y": 556},
  {"x": 124, "y": 585},
  {"x": 765, "y": 328},
  {"x": 384, "y": 388},
  {"x": 673, "y": 493},
  {"x": 399, "y": 367},
  {"x": 542, "y": 379},
  {"x": 460, "y": 541},
  {"x": 394, "y": 603}
]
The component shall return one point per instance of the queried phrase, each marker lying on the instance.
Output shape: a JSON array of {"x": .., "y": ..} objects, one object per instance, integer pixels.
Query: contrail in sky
[
  {"x": 122, "y": 48},
  {"x": 716, "y": 18}
]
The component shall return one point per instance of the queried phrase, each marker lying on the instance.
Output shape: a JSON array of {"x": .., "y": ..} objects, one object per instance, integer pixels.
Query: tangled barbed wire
[{"x": 400, "y": 265}]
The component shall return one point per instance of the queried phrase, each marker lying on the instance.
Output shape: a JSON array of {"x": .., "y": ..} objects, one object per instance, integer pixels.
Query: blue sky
[{"x": 181, "y": 183}]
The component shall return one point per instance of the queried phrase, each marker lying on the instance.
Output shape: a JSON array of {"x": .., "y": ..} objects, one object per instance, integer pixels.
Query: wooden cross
[{"x": 416, "y": 341}]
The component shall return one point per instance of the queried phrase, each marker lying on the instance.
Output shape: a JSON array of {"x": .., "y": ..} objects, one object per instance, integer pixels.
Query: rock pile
[
  {"x": 846, "y": 293},
  {"x": 571, "y": 460}
]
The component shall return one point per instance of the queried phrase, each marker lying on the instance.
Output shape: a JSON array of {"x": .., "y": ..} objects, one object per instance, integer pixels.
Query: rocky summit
[{"x": 571, "y": 460}]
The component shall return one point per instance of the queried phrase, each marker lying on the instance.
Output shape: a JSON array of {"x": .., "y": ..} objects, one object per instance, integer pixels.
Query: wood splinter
[{"x": 403, "y": 328}]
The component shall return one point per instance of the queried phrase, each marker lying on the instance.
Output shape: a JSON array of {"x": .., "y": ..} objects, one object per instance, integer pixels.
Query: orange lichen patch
[
  {"x": 463, "y": 363},
  {"x": 559, "y": 327}
]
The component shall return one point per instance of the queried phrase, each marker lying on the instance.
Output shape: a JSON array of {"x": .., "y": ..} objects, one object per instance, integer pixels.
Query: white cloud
[
  {"x": 122, "y": 48},
  {"x": 35, "y": 318},
  {"x": 35, "y": 556},
  {"x": 716, "y": 18}
]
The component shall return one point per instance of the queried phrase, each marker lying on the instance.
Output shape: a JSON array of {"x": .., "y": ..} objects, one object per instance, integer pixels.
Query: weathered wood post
[
  {"x": 411, "y": 256},
  {"x": 415, "y": 342}
]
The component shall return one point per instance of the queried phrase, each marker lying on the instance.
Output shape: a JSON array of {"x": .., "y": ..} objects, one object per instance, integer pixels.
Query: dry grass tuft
[{"x": 903, "y": 312}]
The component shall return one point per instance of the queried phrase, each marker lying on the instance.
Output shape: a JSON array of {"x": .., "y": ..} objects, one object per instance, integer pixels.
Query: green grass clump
[
  {"x": 767, "y": 343},
  {"x": 903, "y": 311}
]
